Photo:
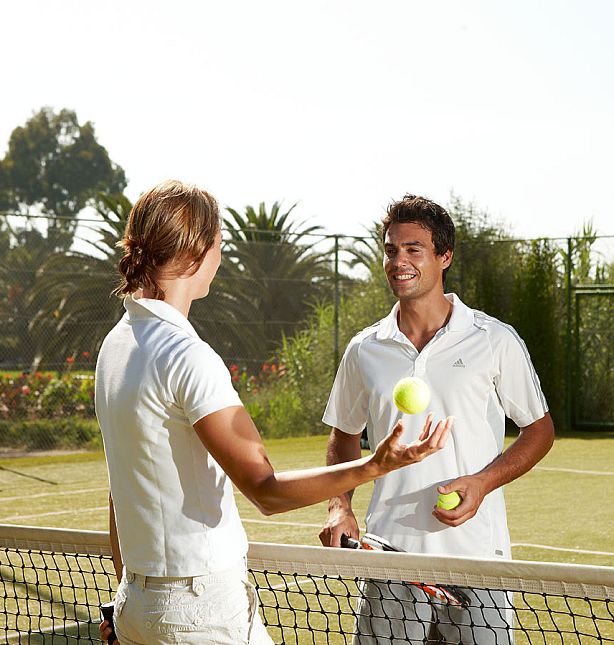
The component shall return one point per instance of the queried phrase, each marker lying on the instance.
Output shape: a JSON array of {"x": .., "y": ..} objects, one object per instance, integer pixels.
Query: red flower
[
  {"x": 273, "y": 368},
  {"x": 85, "y": 354},
  {"x": 265, "y": 367},
  {"x": 70, "y": 360},
  {"x": 234, "y": 367}
]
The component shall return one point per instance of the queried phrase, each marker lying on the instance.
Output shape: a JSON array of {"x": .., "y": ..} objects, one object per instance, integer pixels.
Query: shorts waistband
[{"x": 142, "y": 581}]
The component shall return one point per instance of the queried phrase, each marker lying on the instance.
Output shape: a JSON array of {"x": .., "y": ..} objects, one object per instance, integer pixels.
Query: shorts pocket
[{"x": 221, "y": 614}]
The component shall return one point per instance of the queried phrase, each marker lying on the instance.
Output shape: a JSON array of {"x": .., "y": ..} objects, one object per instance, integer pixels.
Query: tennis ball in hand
[
  {"x": 411, "y": 395},
  {"x": 448, "y": 501}
]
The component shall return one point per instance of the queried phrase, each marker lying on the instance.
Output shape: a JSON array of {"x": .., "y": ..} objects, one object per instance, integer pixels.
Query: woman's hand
[{"x": 391, "y": 454}]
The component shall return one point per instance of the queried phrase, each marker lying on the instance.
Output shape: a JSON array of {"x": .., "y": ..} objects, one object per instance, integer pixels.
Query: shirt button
[
  {"x": 198, "y": 620},
  {"x": 130, "y": 576},
  {"x": 148, "y": 624},
  {"x": 198, "y": 589}
]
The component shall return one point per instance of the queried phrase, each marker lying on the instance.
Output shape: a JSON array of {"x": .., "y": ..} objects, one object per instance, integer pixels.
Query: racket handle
[
  {"x": 107, "y": 614},
  {"x": 349, "y": 543}
]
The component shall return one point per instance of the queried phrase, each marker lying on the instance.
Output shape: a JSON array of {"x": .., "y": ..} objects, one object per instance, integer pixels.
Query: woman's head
[{"x": 170, "y": 229}]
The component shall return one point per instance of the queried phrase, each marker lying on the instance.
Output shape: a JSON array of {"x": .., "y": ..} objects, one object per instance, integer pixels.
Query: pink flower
[
  {"x": 25, "y": 389},
  {"x": 70, "y": 360}
]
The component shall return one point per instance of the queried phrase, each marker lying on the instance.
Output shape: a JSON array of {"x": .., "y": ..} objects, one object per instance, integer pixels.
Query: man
[{"x": 479, "y": 370}]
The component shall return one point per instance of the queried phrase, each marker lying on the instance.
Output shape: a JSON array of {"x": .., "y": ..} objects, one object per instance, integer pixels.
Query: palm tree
[
  {"x": 73, "y": 308},
  {"x": 23, "y": 252},
  {"x": 272, "y": 263},
  {"x": 72, "y": 300}
]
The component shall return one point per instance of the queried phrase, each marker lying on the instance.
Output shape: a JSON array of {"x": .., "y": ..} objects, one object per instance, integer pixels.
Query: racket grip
[
  {"x": 349, "y": 543},
  {"x": 107, "y": 613}
]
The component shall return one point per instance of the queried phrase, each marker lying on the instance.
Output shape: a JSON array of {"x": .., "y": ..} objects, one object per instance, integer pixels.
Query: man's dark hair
[{"x": 427, "y": 214}]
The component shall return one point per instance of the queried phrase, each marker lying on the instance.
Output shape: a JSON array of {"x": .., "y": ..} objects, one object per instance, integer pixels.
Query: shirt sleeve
[
  {"x": 516, "y": 381},
  {"x": 348, "y": 403},
  {"x": 201, "y": 383}
]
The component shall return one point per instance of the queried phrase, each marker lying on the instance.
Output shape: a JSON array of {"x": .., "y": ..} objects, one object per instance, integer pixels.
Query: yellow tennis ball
[
  {"x": 411, "y": 395},
  {"x": 448, "y": 501}
]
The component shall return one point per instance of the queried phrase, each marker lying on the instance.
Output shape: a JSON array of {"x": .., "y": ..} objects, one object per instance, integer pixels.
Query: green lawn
[{"x": 549, "y": 508}]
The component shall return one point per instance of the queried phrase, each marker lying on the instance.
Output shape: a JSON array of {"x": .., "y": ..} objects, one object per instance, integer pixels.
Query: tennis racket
[
  {"x": 449, "y": 595},
  {"x": 107, "y": 614}
]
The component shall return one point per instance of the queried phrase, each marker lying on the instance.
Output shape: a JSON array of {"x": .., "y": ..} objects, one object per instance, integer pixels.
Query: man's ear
[{"x": 446, "y": 258}]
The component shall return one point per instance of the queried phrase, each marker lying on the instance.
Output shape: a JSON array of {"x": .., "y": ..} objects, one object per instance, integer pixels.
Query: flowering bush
[
  {"x": 269, "y": 374},
  {"x": 46, "y": 396}
]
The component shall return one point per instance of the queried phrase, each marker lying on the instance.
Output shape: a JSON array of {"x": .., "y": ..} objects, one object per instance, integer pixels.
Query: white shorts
[
  {"x": 220, "y": 609},
  {"x": 399, "y": 613}
]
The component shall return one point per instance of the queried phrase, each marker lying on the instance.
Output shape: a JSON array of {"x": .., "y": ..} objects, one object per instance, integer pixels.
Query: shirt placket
[{"x": 421, "y": 360}]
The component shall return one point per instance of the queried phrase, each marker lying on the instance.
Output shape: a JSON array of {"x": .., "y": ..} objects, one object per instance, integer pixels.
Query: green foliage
[
  {"x": 271, "y": 266},
  {"x": 56, "y": 164},
  {"x": 71, "y": 306},
  {"x": 293, "y": 403},
  {"x": 67, "y": 433},
  {"x": 537, "y": 311}
]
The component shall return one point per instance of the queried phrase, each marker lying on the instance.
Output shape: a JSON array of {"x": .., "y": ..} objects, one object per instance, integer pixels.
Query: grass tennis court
[{"x": 557, "y": 513}]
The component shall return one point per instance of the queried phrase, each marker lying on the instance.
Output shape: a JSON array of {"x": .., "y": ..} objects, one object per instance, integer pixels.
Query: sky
[{"x": 339, "y": 105}]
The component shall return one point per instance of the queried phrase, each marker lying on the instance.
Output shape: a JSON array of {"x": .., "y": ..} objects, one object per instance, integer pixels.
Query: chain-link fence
[{"x": 280, "y": 313}]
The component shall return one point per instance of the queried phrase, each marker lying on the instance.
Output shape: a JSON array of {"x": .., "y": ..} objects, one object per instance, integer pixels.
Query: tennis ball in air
[
  {"x": 448, "y": 501},
  {"x": 411, "y": 395}
]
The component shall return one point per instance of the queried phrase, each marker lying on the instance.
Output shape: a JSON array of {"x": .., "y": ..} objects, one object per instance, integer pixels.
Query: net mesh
[{"x": 53, "y": 582}]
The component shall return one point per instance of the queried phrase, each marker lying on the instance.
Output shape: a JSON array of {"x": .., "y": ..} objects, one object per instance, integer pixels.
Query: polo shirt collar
[
  {"x": 461, "y": 319},
  {"x": 139, "y": 307}
]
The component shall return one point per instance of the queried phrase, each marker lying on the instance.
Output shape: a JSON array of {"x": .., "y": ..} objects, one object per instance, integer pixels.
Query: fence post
[
  {"x": 569, "y": 340},
  {"x": 336, "y": 307}
]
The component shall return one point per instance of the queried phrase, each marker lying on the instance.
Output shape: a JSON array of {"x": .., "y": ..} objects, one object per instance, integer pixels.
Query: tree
[
  {"x": 56, "y": 165},
  {"x": 72, "y": 308},
  {"x": 71, "y": 302},
  {"x": 272, "y": 265}
]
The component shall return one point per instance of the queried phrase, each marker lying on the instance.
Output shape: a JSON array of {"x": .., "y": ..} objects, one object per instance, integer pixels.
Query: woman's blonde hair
[{"x": 171, "y": 222}]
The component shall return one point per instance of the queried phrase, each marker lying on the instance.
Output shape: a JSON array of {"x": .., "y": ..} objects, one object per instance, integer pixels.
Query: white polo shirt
[
  {"x": 174, "y": 505},
  {"x": 479, "y": 371}
]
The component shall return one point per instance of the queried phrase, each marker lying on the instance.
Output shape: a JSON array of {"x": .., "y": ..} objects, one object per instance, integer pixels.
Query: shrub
[
  {"x": 45, "y": 396},
  {"x": 49, "y": 434}
]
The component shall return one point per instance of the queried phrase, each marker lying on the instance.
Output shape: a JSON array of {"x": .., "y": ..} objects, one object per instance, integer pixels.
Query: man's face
[{"x": 412, "y": 267}]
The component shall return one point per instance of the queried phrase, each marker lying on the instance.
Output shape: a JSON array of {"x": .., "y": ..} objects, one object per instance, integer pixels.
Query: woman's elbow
[{"x": 267, "y": 498}]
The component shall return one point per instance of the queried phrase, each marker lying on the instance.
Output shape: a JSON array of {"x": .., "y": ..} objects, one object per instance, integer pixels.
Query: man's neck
[{"x": 421, "y": 318}]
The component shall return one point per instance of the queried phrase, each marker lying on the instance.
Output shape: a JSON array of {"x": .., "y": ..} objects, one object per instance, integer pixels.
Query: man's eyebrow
[{"x": 412, "y": 243}]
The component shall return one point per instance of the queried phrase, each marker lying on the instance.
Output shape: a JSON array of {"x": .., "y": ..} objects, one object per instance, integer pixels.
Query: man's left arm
[{"x": 532, "y": 444}]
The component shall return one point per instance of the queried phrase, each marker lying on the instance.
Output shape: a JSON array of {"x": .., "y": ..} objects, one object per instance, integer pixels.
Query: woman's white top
[{"x": 174, "y": 506}]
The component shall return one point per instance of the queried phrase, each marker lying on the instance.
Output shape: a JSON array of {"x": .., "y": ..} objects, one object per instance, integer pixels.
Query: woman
[{"x": 176, "y": 435}]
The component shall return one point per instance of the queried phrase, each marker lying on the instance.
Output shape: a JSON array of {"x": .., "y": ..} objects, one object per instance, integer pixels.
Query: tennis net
[{"x": 53, "y": 582}]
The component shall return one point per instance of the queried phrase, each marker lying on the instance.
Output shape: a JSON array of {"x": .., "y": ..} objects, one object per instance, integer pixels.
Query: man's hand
[
  {"x": 472, "y": 490},
  {"x": 391, "y": 454},
  {"x": 340, "y": 521}
]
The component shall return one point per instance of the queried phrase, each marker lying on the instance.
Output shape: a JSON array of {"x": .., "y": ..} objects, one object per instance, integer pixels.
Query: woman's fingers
[{"x": 427, "y": 427}]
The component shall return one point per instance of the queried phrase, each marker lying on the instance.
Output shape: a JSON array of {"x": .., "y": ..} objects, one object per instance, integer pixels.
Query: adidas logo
[{"x": 458, "y": 363}]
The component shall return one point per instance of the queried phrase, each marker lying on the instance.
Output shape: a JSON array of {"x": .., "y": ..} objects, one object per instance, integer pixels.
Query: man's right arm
[{"x": 342, "y": 447}]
